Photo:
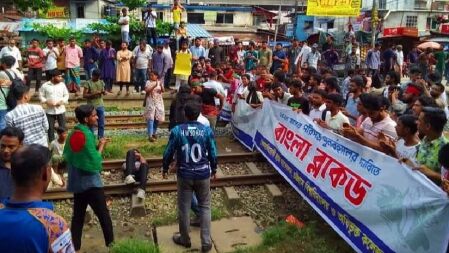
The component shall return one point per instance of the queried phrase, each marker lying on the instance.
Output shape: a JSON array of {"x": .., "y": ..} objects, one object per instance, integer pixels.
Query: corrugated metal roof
[{"x": 195, "y": 30}]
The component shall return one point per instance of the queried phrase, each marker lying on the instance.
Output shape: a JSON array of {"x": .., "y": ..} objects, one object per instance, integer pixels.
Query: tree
[
  {"x": 24, "y": 5},
  {"x": 134, "y": 4},
  {"x": 54, "y": 32}
]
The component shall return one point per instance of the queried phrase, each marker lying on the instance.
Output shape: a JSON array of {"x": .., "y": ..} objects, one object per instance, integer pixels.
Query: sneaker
[
  {"x": 143, "y": 92},
  {"x": 129, "y": 179},
  {"x": 154, "y": 136},
  {"x": 151, "y": 139},
  {"x": 177, "y": 240},
  {"x": 141, "y": 194},
  {"x": 207, "y": 248}
]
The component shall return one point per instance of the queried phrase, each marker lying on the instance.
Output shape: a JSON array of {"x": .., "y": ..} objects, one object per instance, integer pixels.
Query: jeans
[
  {"x": 34, "y": 74},
  {"x": 152, "y": 127},
  {"x": 100, "y": 114},
  {"x": 60, "y": 118},
  {"x": 125, "y": 37},
  {"x": 151, "y": 36},
  {"x": 186, "y": 187},
  {"x": 141, "y": 79},
  {"x": 194, "y": 205},
  {"x": 167, "y": 78},
  {"x": 48, "y": 74},
  {"x": 108, "y": 84},
  {"x": 2, "y": 119},
  {"x": 94, "y": 197},
  {"x": 140, "y": 173},
  {"x": 88, "y": 68}
]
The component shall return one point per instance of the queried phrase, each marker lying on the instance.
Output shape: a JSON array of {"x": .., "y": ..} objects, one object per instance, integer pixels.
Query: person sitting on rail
[
  {"x": 84, "y": 163},
  {"x": 29, "y": 224},
  {"x": 11, "y": 139},
  {"x": 57, "y": 160},
  {"x": 136, "y": 167}
]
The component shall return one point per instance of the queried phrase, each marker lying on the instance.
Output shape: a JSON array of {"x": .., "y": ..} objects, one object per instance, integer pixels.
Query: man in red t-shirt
[{"x": 35, "y": 60}]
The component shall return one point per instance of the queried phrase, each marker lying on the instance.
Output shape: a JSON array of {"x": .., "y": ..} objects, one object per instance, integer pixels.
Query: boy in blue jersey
[
  {"x": 196, "y": 156},
  {"x": 28, "y": 224}
]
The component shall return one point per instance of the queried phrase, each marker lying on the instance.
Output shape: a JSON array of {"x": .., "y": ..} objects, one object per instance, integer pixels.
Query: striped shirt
[
  {"x": 31, "y": 119},
  {"x": 386, "y": 126}
]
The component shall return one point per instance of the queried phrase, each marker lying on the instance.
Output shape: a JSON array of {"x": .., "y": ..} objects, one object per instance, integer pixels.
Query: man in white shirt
[
  {"x": 214, "y": 84},
  {"x": 317, "y": 104},
  {"x": 124, "y": 25},
  {"x": 279, "y": 95},
  {"x": 378, "y": 121},
  {"x": 334, "y": 118},
  {"x": 51, "y": 55},
  {"x": 314, "y": 57},
  {"x": 54, "y": 95},
  {"x": 150, "y": 23},
  {"x": 142, "y": 55},
  {"x": 12, "y": 50},
  {"x": 167, "y": 51},
  {"x": 305, "y": 50}
]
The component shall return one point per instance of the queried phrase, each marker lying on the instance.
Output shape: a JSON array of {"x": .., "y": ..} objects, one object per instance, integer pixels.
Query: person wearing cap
[
  {"x": 405, "y": 103},
  {"x": 160, "y": 63},
  {"x": 150, "y": 18},
  {"x": 209, "y": 108},
  {"x": 216, "y": 54},
  {"x": 314, "y": 57},
  {"x": 54, "y": 94},
  {"x": 373, "y": 59},
  {"x": 265, "y": 55}
]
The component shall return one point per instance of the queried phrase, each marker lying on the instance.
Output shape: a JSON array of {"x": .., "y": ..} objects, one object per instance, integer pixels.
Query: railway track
[{"x": 170, "y": 185}]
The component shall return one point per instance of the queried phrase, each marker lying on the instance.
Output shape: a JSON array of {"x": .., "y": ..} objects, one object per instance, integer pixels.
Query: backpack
[
  {"x": 324, "y": 114},
  {"x": 11, "y": 102}
]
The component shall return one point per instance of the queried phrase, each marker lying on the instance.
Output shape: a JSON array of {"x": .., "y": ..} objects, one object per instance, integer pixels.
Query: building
[{"x": 421, "y": 15}]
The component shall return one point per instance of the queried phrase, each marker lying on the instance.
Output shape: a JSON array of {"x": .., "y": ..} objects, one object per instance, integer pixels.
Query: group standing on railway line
[{"x": 374, "y": 104}]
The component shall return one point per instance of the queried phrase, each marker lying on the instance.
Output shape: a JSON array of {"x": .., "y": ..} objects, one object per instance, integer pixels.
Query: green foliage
[
  {"x": 35, "y": 5},
  {"x": 167, "y": 219},
  {"x": 288, "y": 238},
  {"x": 119, "y": 145},
  {"x": 218, "y": 213},
  {"x": 134, "y": 4},
  {"x": 135, "y": 246},
  {"x": 54, "y": 32}
]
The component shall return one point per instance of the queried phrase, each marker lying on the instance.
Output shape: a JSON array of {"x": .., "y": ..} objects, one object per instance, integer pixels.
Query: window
[
  {"x": 420, "y": 4},
  {"x": 382, "y": 4},
  {"x": 80, "y": 10},
  {"x": 411, "y": 21},
  {"x": 195, "y": 18},
  {"x": 160, "y": 15},
  {"x": 225, "y": 18}
]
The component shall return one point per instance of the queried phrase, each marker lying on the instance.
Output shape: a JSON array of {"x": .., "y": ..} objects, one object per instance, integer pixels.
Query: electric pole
[
  {"x": 374, "y": 22},
  {"x": 277, "y": 24}
]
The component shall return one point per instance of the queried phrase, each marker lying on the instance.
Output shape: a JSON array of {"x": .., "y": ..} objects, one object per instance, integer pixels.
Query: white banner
[
  {"x": 244, "y": 123},
  {"x": 375, "y": 203}
]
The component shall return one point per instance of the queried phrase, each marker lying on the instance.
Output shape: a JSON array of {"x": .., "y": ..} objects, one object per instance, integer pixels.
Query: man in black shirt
[
  {"x": 298, "y": 102},
  {"x": 11, "y": 139},
  {"x": 216, "y": 54},
  {"x": 209, "y": 109}
]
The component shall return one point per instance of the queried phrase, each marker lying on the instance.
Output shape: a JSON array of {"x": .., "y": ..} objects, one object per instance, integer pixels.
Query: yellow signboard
[
  {"x": 335, "y": 8},
  {"x": 55, "y": 12},
  {"x": 183, "y": 64}
]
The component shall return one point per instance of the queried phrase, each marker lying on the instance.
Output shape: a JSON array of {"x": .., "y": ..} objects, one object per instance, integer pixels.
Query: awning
[
  {"x": 258, "y": 11},
  {"x": 9, "y": 26},
  {"x": 195, "y": 30}
]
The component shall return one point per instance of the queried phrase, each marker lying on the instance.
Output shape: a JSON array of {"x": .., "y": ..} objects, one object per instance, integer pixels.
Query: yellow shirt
[{"x": 177, "y": 15}]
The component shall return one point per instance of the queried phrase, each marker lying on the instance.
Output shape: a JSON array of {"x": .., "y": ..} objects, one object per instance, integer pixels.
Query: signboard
[
  {"x": 444, "y": 28},
  {"x": 335, "y": 8},
  {"x": 210, "y": 16},
  {"x": 56, "y": 12},
  {"x": 400, "y": 31},
  {"x": 183, "y": 64},
  {"x": 354, "y": 188}
]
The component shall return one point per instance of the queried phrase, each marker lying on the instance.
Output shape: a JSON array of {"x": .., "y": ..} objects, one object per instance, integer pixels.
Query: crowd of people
[{"x": 374, "y": 104}]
